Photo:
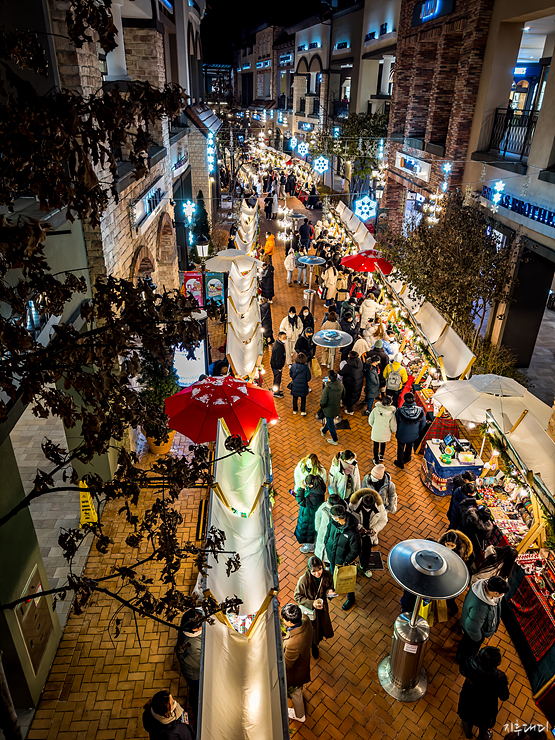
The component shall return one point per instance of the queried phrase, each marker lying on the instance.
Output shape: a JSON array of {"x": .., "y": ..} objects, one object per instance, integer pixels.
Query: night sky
[{"x": 224, "y": 21}]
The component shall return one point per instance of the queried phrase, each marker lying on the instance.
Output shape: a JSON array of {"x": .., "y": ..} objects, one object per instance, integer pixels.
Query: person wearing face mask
[
  {"x": 309, "y": 497},
  {"x": 342, "y": 544},
  {"x": 311, "y": 594},
  {"x": 164, "y": 718},
  {"x": 307, "y": 318},
  {"x": 305, "y": 343},
  {"x": 368, "y": 509},
  {"x": 383, "y": 422},
  {"x": 379, "y": 480},
  {"x": 481, "y": 614},
  {"x": 344, "y": 474},
  {"x": 292, "y": 326}
]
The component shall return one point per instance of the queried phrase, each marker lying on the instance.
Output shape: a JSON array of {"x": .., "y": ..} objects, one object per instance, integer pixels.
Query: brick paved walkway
[{"x": 97, "y": 687}]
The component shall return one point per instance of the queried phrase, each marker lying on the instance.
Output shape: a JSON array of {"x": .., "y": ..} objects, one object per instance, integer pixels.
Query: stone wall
[
  {"x": 200, "y": 178},
  {"x": 437, "y": 73}
]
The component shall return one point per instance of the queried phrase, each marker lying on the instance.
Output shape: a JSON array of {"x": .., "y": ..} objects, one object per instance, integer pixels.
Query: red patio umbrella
[
  {"x": 366, "y": 261},
  {"x": 195, "y": 410}
]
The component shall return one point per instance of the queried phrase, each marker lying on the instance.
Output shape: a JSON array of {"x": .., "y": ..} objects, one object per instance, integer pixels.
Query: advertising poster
[
  {"x": 190, "y": 363},
  {"x": 192, "y": 283},
  {"x": 215, "y": 287}
]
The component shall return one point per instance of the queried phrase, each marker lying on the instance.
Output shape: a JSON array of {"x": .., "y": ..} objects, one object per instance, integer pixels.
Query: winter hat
[
  {"x": 378, "y": 471},
  {"x": 292, "y": 309},
  {"x": 378, "y": 344},
  {"x": 398, "y": 357}
]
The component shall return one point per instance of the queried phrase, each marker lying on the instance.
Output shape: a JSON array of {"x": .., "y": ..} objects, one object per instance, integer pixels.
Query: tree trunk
[{"x": 8, "y": 717}]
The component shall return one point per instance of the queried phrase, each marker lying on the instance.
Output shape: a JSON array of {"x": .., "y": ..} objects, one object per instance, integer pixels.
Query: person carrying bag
[{"x": 342, "y": 545}]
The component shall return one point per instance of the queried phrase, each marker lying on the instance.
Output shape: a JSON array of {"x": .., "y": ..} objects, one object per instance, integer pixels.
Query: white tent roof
[
  {"x": 246, "y": 322},
  {"x": 244, "y": 354},
  {"x": 340, "y": 207},
  {"x": 431, "y": 321},
  {"x": 368, "y": 242},
  {"x": 536, "y": 449},
  {"x": 456, "y": 355}
]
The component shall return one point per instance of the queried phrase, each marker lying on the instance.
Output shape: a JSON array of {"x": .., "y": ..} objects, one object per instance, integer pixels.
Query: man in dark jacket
[
  {"x": 304, "y": 233},
  {"x": 277, "y": 362},
  {"x": 411, "y": 421},
  {"x": 466, "y": 493},
  {"x": 373, "y": 384},
  {"x": 330, "y": 403},
  {"x": 349, "y": 325},
  {"x": 189, "y": 648},
  {"x": 305, "y": 343},
  {"x": 342, "y": 544},
  {"x": 384, "y": 358},
  {"x": 352, "y": 374},
  {"x": 296, "y": 651},
  {"x": 266, "y": 320},
  {"x": 481, "y": 613}
]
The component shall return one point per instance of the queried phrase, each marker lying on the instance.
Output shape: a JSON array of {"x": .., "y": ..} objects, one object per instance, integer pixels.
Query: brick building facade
[{"x": 437, "y": 74}]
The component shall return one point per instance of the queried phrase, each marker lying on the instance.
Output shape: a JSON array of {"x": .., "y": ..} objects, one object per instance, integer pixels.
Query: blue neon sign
[{"x": 431, "y": 9}]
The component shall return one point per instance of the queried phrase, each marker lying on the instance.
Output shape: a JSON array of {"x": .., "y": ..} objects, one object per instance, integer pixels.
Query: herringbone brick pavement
[{"x": 98, "y": 685}]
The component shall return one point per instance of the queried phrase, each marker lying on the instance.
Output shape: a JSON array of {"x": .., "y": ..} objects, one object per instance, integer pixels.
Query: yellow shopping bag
[
  {"x": 426, "y": 611},
  {"x": 441, "y": 610},
  {"x": 315, "y": 369},
  {"x": 344, "y": 579}
]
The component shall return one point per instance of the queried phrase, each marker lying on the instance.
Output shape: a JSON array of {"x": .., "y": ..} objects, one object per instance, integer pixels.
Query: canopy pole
[
  {"x": 263, "y": 608},
  {"x": 420, "y": 375},
  {"x": 442, "y": 368},
  {"x": 520, "y": 418},
  {"x": 467, "y": 369}
]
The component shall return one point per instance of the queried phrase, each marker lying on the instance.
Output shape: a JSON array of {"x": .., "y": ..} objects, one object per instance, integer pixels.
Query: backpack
[{"x": 394, "y": 381}]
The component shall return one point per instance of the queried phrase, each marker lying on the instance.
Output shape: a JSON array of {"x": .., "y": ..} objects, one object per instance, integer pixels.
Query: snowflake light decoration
[
  {"x": 293, "y": 142},
  {"x": 365, "y": 208},
  {"x": 497, "y": 194},
  {"x": 321, "y": 165},
  {"x": 189, "y": 209},
  {"x": 303, "y": 148}
]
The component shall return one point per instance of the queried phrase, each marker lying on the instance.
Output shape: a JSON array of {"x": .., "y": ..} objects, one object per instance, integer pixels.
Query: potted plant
[{"x": 159, "y": 381}]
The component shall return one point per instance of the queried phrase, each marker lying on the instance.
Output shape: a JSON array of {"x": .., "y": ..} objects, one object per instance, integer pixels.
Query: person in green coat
[
  {"x": 481, "y": 613},
  {"x": 330, "y": 403}
]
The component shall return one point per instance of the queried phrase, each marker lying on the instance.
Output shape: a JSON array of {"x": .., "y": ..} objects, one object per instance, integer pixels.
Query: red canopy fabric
[
  {"x": 195, "y": 410},
  {"x": 366, "y": 261}
]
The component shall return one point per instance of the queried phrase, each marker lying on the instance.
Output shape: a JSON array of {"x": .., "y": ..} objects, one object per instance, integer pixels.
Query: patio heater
[
  {"x": 430, "y": 571},
  {"x": 309, "y": 295},
  {"x": 332, "y": 339}
]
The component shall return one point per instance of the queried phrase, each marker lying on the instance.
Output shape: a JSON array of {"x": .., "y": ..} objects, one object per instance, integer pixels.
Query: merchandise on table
[{"x": 241, "y": 623}]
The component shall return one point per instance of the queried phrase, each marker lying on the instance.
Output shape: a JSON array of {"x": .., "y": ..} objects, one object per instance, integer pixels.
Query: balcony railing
[{"x": 513, "y": 131}]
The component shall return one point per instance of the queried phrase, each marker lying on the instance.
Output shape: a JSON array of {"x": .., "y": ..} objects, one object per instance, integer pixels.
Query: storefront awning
[{"x": 204, "y": 118}]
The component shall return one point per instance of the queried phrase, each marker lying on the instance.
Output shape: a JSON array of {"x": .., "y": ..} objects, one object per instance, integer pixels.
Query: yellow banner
[{"x": 88, "y": 512}]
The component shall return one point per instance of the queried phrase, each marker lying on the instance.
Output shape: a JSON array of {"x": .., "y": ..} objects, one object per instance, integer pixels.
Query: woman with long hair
[
  {"x": 498, "y": 561},
  {"x": 309, "y": 465},
  {"x": 311, "y": 594}
]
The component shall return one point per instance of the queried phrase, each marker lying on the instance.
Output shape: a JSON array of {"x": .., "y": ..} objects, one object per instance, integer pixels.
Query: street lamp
[
  {"x": 202, "y": 245},
  {"x": 379, "y": 190}
]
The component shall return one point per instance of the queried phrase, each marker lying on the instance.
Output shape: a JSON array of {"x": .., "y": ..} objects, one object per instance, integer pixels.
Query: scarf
[
  {"x": 176, "y": 714},
  {"x": 293, "y": 321}
]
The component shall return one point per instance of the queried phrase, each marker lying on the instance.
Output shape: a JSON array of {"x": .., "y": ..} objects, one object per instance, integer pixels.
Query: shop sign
[
  {"x": 192, "y": 283},
  {"x": 522, "y": 207},
  {"x": 431, "y": 9},
  {"x": 215, "y": 287},
  {"x": 413, "y": 166}
]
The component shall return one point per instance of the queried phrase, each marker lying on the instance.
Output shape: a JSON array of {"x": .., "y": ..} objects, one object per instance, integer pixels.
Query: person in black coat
[
  {"x": 300, "y": 377},
  {"x": 305, "y": 343},
  {"x": 352, "y": 374},
  {"x": 485, "y": 684},
  {"x": 411, "y": 422},
  {"x": 384, "y": 357},
  {"x": 477, "y": 524},
  {"x": 465, "y": 492},
  {"x": 164, "y": 719},
  {"x": 267, "y": 280},
  {"x": 277, "y": 362},
  {"x": 291, "y": 183},
  {"x": 373, "y": 380},
  {"x": 342, "y": 544},
  {"x": 266, "y": 320},
  {"x": 459, "y": 480},
  {"x": 268, "y": 201},
  {"x": 349, "y": 325},
  {"x": 306, "y": 317},
  {"x": 310, "y": 497}
]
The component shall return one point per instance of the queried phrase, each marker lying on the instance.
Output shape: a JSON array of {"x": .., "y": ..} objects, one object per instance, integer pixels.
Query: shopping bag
[
  {"x": 322, "y": 292},
  {"x": 305, "y": 610},
  {"x": 441, "y": 610},
  {"x": 426, "y": 611},
  {"x": 344, "y": 578},
  {"x": 315, "y": 369}
]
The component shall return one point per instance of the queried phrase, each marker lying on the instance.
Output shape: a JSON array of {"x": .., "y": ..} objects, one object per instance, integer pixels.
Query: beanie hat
[
  {"x": 378, "y": 471},
  {"x": 398, "y": 357},
  {"x": 378, "y": 344},
  {"x": 292, "y": 309}
]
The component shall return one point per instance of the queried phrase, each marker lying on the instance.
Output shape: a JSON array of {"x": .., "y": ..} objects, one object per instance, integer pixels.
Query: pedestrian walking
[
  {"x": 301, "y": 268},
  {"x": 289, "y": 264},
  {"x": 352, "y": 377},
  {"x": 411, "y": 422},
  {"x": 342, "y": 544},
  {"x": 309, "y": 465},
  {"x": 277, "y": 362},
  {"x": 292, "y": 326},
  {"x": 310, "y": 496},
  {"x": 368, "y": 309},
  {"x": 395, "y": 376},
  {"x": 330, "y": 403},
  {"x": 383, "y": 423},
  {"x": 372, "y": 376},
  {"x": 307, "y": 318},
  {"x": 485, "y": 684},
  {"x": 384, "y": 358},
  {"x": 476, "y": 523},
  {"x": 311, "y": 594},
  {"x": 189, "y": 649},
  {"x": 381, "y": 481},
  {"x": 300, "y": 378},
  {"x": 266, "y": 319},
  {"x": 349, "y": 325},
  {"x": 275, "y": 205},
  {"x": 344, "y": 474},
  {"x": 330, "y": 282},
  {"x": 305, "y": 344},
  {"x": 268, "y": 206},
  {"x": 481, "y": 613},
  {"x": 164, "y": 718},
  {"x": 368, "y": 509},
  {"x": 342, "y": 285},
  {"x": 282, "y": 182},
  {"x": 330, "y": 324},
  {"x": 266, "y": 280},
  {"x": 321, "y": 521},
  {"x": 297, "y": 645}
]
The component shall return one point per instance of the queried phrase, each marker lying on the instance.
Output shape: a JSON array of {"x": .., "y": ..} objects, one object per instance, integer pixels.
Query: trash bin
[{"x": 309, "y": 298}]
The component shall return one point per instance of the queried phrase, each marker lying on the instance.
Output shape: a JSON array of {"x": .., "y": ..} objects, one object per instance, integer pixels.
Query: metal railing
[{"x": 513, "y": 131}]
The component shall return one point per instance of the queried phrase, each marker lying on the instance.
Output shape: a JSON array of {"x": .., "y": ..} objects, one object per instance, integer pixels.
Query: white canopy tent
[
  {"x": 431, "y": 321},
  {"x": 243, "y": 692},
  {"x": 241, "y": 300},
  {"x": 340, "y": 207},
  {"x": 456, "y": 356},
  {"x": 368, "y": 242},
  {"x": 244, "y": 355},
  {"x": 536, "y": 449}
]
